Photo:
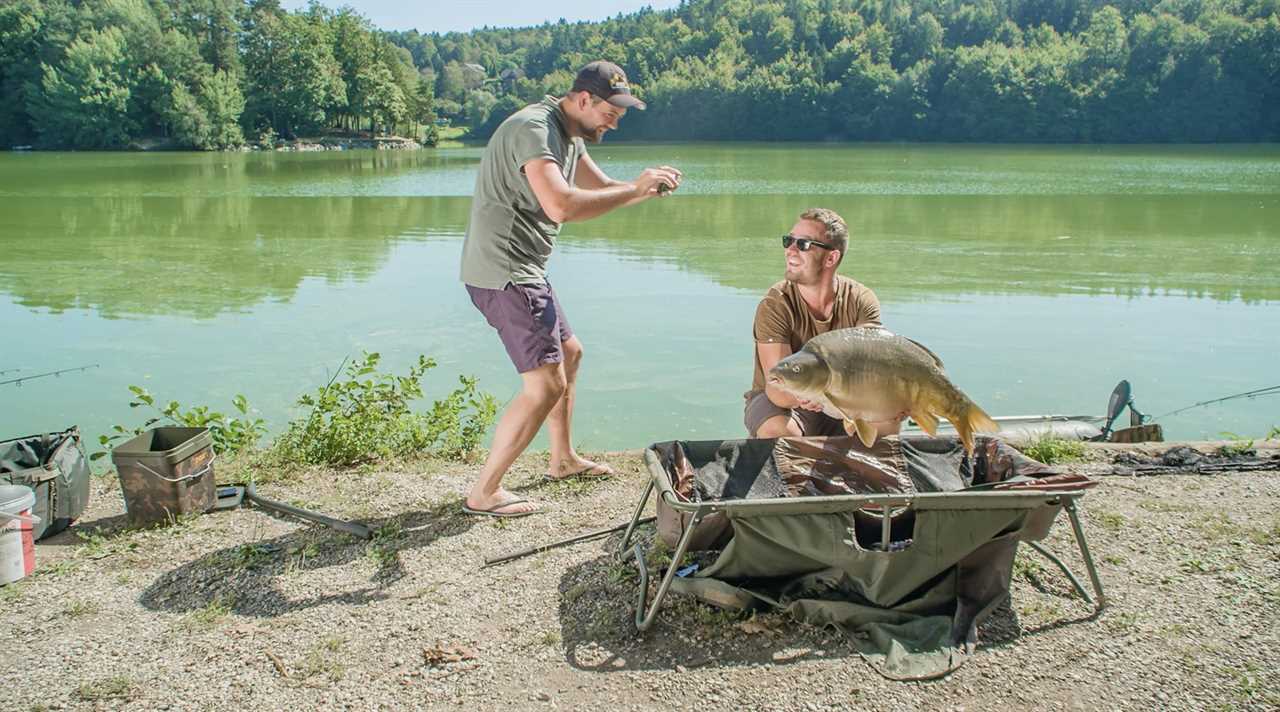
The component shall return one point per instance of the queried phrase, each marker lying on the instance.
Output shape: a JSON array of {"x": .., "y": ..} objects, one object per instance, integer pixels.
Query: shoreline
[{"x": 248, "y": 609}]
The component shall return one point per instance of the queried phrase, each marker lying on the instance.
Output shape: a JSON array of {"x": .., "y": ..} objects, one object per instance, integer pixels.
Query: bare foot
[
  {"x": 500, "y": 504},
  {"x": 579, "y": 468}
]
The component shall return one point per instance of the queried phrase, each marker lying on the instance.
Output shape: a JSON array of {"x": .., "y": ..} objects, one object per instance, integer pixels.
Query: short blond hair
[{"x": 835, "y": 231}]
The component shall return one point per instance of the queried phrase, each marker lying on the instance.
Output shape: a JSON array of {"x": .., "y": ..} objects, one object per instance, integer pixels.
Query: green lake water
[{"x": 1041, "y": 276}]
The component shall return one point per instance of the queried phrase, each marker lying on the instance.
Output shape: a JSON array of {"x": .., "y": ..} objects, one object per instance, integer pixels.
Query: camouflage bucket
[{"x": 166, "y": 473}]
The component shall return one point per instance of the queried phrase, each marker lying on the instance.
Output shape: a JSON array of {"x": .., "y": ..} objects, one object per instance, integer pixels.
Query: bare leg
[
  {"x": 543, "y": 387},
  {"x": 779, "y": 426},
  {"x": 564, "y": 460}
]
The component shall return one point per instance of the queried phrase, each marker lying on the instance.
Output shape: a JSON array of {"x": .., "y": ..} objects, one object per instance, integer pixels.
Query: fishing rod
[
  {"x": 1268, "y": 391},
  {"x": 18, "y": 381}
]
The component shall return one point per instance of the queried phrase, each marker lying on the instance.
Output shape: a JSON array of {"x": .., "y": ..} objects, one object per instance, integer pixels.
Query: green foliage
[
  {"x": 84, "y": 100},
  {"x": 230, "y": 435},
  {"x": 104, "y": 74},
  {"x": 1274, "y": 433},
  {"x": 1051, "y": 450},
  {"x": 1239, "y": 446},
  {"x": 366, "y": 417}
]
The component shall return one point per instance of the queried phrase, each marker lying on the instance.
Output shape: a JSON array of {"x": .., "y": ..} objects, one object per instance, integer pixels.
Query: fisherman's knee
[
  {"x": 547, "y": 384},
  {"x": 572, "y": 353},
  {"x": 777, "y": 427}
]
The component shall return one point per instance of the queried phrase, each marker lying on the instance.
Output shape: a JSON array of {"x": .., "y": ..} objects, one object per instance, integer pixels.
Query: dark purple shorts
[{"x": 529, "y": 321}]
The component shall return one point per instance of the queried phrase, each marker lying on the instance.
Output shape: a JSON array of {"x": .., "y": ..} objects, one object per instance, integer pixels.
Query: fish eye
[{"x": 795, "y": 369}]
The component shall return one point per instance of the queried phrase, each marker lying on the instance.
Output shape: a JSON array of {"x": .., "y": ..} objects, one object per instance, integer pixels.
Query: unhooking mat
[{"x": 793, "y": 534}]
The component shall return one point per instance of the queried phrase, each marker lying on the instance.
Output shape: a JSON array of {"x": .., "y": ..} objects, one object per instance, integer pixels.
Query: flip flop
[
  {"x": 590, "y": 472},
  {"x": 493, "y": 511}
]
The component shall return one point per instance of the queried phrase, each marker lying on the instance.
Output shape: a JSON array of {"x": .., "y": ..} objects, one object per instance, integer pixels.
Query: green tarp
[{"x": 796, "y": 527}]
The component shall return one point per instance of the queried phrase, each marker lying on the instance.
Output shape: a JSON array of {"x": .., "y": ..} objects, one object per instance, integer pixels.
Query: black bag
[{"x": 54, "y": 465}]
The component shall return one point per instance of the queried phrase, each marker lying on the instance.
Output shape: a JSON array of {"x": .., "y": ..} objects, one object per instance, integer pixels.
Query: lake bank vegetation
[
  {"x": 222, "y": 73},
  {"x": 362, "y": 415}
]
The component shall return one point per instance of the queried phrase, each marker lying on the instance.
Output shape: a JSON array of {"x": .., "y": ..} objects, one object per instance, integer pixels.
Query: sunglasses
[{"x": 803, "y": 243}]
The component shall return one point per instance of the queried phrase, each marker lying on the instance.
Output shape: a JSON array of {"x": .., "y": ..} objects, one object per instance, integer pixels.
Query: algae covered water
[{"x": 1041, "y": 276}]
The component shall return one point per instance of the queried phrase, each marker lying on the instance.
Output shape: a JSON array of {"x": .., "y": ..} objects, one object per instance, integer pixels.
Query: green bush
[
  {"x": 1239, "y": 446},
  {"x": 1050, "y": 449},
  {"x": 366, "y": 417},
  {"x": 231, "y": 435}
]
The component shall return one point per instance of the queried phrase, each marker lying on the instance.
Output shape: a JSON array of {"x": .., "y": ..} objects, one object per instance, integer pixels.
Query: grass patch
[
  {"x": 299, "y": 556},
  {"x": 1111, "y": 521},
  {"x": 1218, "y": 528},
  {"x": 1195, "y": 565},
  {"x": 1038, "y": 610},
  {"x": 1250, "y": 688},
  {"x": 1238, "y": 447},
  {"x": 382, "y": 549},
  {"x": 324, "y": 659},
  {"x": 1027, "y": 567},
  {"x": 118, "y": 687},
  {"x": 575, "y": 592},
  {"x": 250, "y": 556},
  {"x": 1265, "y": 537},
  {"x": 213, "y": 612},
  {"x": 79, "y": 609},
  {"x": 1050, "y": 449},
  {"x": 94, "y": 545},
  {"x": 58, "y": 568},
  {"x": 1122, "y": 622}
]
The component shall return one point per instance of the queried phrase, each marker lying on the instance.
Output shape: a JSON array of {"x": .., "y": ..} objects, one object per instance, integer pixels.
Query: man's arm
[
  {"x": 591, "y": 177},
  {"x": 770, "y": 355},
  {"x": 566, "y": 203}
]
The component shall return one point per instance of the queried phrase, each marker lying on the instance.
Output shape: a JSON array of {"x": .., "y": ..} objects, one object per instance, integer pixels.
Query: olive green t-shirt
[
  {"x": 783, "y": 317},
  {"x": 509, "y": 236}
]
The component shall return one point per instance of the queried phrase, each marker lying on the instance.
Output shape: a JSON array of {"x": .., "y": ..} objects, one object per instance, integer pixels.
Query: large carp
[{"x": 868, "y": 374}]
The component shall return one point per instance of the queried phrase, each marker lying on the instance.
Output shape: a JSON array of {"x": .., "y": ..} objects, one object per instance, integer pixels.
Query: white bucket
[{"x": 17, "y": 547}]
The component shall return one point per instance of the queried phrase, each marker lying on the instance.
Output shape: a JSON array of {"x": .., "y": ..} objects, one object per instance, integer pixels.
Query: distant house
[
  {"x": 508, "y": 77},
  {"x": 473, "y": 75}
]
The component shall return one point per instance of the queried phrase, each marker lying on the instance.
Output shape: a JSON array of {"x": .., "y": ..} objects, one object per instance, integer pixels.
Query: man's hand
[
  {"x": 809, "y": 405},
  {"x": 658, "y": 181}
]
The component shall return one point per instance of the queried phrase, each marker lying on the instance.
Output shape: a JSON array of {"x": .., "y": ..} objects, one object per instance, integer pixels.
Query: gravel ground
[{"x": 243, "y": 610}]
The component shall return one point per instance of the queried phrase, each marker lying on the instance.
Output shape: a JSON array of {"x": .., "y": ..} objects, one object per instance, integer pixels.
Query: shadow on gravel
[
  {"x": 597, "y": 627},
  {"x": 77, "y": 535},
  {"x": 247, "y": 579}
]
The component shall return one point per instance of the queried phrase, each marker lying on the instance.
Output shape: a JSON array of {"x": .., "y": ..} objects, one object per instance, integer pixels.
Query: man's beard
[{"x": 588, "y": 133}]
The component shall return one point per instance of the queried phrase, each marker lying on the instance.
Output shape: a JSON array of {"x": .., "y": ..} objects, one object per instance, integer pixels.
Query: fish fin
[
  {"x": 867, "y": 432},
  {"x": 973, "y": 419},
  {"x": 937, "y": 361},
  {"x": 927, "y": 421}
]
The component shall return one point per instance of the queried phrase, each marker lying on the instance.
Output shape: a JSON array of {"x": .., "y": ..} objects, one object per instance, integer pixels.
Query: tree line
[
  {"x": 218, "y": 73},
  {"x": 207, "y": 74}
]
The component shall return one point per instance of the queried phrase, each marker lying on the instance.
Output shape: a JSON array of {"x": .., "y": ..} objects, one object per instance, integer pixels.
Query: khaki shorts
[{"x": 759, "y": 409}]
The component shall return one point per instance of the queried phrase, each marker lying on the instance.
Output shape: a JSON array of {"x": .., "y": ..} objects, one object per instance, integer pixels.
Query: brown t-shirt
[{"x": 783, "y": 317}]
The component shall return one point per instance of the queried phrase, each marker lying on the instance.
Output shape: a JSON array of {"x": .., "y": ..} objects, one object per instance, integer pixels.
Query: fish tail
[{"x": 971, "y": 419}]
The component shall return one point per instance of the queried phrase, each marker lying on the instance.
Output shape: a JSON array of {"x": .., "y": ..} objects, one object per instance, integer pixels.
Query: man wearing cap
[{"x": 535, "y": 175}]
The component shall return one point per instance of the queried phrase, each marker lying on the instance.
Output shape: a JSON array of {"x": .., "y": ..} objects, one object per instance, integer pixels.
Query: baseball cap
[{"x": 607, "y": 81}]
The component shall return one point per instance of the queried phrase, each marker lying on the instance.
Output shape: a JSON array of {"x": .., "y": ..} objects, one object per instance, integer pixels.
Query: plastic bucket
[
  {"x": 164, "y": 473},
  {"x": 17, "y": 545}
]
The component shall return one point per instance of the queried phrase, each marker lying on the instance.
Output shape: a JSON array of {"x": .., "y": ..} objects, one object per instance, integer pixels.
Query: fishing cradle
[{"x": 909, "y": 543}]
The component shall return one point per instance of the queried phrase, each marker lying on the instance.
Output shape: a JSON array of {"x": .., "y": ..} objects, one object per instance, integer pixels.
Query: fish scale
[{"x": 869, "y": 374}]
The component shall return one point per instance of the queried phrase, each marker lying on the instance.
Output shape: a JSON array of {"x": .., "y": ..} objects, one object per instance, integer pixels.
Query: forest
[{"x": 215, "y": 74}]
